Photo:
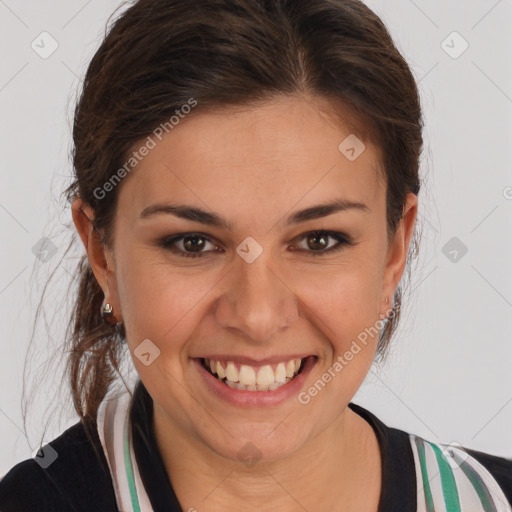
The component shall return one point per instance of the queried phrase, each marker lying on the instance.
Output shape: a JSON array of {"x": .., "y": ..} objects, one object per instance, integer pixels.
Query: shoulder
[
  {"x": 28, "y": 487},
  {"x": 421, "y": 475},
  {"x": 70, "y": 474},
  {"x": 462, "y": 475},
  {"x": 499, "y": 467}
]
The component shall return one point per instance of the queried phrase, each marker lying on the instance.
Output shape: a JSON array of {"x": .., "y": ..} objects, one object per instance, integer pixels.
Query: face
[{"x": 251, "y": 280}]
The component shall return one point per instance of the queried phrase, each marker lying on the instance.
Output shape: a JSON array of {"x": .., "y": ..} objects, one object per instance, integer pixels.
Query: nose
[{"x": 256, "y": 302}]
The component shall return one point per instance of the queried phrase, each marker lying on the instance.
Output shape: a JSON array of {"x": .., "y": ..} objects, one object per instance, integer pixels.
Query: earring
[{"x": 107, "y": 312}]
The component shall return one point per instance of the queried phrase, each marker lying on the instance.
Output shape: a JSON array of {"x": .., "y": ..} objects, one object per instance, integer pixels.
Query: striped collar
[
  {"x": 115, "y": 433},
  {"x": 451, "y": 480},
  {"x": 417, "y": 475}
]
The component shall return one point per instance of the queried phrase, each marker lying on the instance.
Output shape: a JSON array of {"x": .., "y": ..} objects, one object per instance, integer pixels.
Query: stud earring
[{"x": 107, "y": 312}]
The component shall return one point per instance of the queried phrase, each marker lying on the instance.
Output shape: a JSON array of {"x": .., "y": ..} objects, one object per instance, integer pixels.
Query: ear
[
  {"x": 100, "y": 258},
  {"x": 399, "y": 247}
]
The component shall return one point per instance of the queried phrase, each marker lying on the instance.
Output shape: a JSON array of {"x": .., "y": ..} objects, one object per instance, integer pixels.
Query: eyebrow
[{"x": 213, "y": 219}]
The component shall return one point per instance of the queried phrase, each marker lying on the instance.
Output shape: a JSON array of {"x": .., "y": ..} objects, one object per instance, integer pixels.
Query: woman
[{"x": 246, "y": 193}]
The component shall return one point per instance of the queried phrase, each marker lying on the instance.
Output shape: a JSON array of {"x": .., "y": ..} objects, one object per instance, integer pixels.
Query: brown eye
[
  {"x": 192, "y": 245},
  {"x": 317, "y": 242}
]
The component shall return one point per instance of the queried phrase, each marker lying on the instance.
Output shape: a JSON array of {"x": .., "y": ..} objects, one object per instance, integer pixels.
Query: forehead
[{"x": 271, "y": 155}]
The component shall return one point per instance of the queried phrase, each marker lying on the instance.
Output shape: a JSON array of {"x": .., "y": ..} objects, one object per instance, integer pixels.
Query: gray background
[{"x": 448, "y": 376}]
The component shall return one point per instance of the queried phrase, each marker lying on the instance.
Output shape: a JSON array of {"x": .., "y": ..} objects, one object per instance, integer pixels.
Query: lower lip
[{"x": 244, "y": 398}]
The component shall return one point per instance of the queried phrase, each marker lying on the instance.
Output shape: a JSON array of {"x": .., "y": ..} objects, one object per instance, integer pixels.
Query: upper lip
[{"x": 254, "y": 362}]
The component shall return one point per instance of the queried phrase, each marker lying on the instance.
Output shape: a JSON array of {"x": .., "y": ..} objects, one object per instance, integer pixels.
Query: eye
[
  {"x": 193, "y": 242},
  {"x": 319, "y": 241}
]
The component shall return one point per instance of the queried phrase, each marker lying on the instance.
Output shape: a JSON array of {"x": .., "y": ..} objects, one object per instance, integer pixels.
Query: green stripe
[
  {"x": 451, "y": 496},
  {"x": 429, "y": 502},
  {"x": 478, "y": 484},
  {"x": 129, "y": 470}
]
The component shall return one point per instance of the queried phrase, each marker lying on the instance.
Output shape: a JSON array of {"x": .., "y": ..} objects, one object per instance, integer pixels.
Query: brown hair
[{"x": 158, "y": 54}]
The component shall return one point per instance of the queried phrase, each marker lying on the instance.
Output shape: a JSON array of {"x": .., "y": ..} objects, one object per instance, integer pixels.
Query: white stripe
[
  {"x": 468, "y": 497},
  {"x": 420, "y": 490},
  {"x": 434, "y": 477},
  {"x": 500, "y": 500},
  {"x": 111, "y": 423},
  {"x": 121, "y": 478},
  {"x": 105, "y": 441}
]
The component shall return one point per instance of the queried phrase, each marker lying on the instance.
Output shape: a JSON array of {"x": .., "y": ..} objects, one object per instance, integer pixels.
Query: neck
[{"x": 331, "y": 469}]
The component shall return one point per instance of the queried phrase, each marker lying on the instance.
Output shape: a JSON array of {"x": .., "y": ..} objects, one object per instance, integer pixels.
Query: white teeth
[
  {"x": 280, "y": 373},
  {"x": 220, "y": 371},
  {"x": 231, "y": 372},
  {"x": 247, "y": 375},
  {"x": 271, "y": 387},
  {"x": 265, "y": 375},
  {"x": 290, "y": 368},
  {"x": 265, "y": 379}
]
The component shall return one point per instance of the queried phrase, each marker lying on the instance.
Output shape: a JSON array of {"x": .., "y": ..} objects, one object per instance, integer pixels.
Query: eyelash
[{"x": 341, "y": 238}]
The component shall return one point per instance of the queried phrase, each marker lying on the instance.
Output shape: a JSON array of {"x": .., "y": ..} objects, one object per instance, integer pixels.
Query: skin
[{"x": 254, "y": 167}]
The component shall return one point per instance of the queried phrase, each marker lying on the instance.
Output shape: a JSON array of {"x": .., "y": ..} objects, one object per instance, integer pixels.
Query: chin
[{"x": 263, "y": 444}]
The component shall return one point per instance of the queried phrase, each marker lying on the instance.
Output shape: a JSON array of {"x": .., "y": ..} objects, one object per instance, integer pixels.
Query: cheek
[
  {"x": 346, "y": 300},
  {"x": 160, "y": 302},
  {"x": 348, "y": 308},
  {"x": 346, "y": 312}
]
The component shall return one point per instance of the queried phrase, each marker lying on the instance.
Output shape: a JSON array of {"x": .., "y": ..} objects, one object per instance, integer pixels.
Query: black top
[{"x": 79, "y": 479}]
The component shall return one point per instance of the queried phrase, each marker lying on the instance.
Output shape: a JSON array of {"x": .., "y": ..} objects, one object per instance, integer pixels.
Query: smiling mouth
[{"x": 250, "y": 378}]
